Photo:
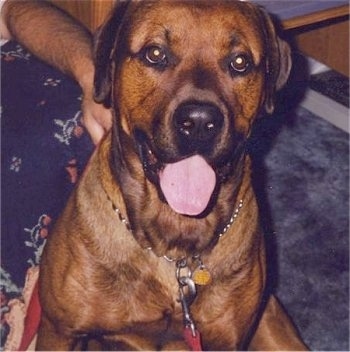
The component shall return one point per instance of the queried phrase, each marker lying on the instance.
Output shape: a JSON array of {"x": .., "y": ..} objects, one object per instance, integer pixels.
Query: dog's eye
[
  {"x": 155, "y": 55},
  {"x": 239, "y": 64}
]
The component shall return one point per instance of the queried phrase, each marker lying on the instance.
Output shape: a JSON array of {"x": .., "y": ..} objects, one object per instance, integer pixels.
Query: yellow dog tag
[{"x": 201, "y": 276}]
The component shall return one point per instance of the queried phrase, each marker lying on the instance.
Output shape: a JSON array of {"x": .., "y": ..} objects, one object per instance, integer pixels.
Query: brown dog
[{"x": 160, "y": 242}]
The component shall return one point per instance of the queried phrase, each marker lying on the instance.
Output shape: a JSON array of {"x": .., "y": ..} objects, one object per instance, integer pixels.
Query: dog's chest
[{"x": 143, "y": 304}]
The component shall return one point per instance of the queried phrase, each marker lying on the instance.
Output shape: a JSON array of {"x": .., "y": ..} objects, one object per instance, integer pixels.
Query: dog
[{"x": 159, "y": 246}]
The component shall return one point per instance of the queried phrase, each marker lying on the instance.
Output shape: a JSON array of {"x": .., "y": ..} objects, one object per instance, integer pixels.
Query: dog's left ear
[
  {"x": 278, "y": 60},
  {"x": 105, "y": 44}
]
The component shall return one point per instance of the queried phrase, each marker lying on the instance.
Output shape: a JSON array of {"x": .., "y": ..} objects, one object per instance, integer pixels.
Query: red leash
[
  {"x": 32, "y": 320},
  {"x": 194, "y": 342}
]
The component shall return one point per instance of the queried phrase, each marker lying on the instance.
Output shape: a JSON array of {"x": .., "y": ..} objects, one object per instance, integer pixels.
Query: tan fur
[{"x": 102, "y": 280}]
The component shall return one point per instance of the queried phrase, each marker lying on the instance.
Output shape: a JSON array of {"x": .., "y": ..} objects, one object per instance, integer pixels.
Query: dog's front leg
[
  {"x": 276, "y": 331},
  {"x": 50, "y": 339}
]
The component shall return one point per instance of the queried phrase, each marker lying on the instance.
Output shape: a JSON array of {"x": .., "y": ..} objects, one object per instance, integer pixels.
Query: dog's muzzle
[{"x": 182, "y": 164}]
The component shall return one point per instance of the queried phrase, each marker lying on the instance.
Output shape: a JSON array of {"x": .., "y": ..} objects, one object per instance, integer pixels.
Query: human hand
[{"x": 96, "y": 118}]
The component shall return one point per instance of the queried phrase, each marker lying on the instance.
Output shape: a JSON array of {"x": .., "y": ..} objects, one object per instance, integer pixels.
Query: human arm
[{"x": 58, "y": 39}]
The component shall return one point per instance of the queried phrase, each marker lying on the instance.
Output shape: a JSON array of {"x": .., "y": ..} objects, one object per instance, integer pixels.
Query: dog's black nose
[{"x": 198, "y": 122}]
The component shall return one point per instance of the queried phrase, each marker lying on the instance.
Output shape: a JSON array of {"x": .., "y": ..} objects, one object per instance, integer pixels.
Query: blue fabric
[
  {"x": 43, "y": 148},
  {"x": 286, "y": 10}
]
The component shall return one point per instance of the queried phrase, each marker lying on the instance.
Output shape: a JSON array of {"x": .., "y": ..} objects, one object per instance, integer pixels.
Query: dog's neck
[
  {"x": 115, "y": 197},
  {"x": 123, "y": 219}
]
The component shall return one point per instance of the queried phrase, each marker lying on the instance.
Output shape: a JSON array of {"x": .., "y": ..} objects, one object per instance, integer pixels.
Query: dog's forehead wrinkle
[
  {"x": 152, "y": 34},
  {"x": 186, "y": 23}
]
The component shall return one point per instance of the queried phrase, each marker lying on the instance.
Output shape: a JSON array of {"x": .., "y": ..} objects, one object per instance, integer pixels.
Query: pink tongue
[{"x": 188, "y": 185}]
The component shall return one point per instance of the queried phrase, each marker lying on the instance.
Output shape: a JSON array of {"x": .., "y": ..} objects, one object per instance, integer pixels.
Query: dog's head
[{"x": 185, "y": 80}]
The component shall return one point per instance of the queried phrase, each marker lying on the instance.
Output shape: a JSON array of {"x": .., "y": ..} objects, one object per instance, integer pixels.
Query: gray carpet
[{"x": 302, "y": 179}]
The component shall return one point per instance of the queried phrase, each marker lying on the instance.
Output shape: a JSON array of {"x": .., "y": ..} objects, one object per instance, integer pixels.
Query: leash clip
[
  {"x": 187, "y": 318},
  {"x": 187, "y": 294}
]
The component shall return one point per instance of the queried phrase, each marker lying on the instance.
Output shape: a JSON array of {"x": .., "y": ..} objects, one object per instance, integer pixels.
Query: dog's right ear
[
  {"x": 105, "y": 42},
  {"x": 278, "y": 59}
]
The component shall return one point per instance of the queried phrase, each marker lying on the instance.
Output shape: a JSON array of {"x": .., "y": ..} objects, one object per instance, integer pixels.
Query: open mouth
[{"x": 187, "y": 184}]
